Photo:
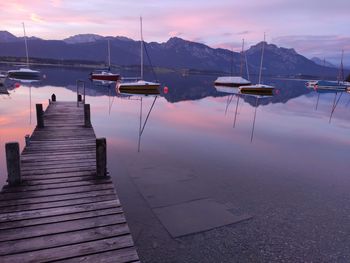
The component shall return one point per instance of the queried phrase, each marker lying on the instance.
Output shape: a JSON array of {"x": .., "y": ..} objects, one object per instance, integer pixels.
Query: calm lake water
[{"x": 282, "y": 160}]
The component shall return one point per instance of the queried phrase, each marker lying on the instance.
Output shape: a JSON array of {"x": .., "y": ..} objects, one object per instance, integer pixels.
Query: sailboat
[
  {"x": 340, "y": 84},
  {"x": 105, "y": 75},
  {"x": 3, "y": 76},
  {"x": 141, "y": 84},
  {"x": 233, "y": 81},
  {"x": 258, "y": 88},
  {"x": 24, "y": 73}
]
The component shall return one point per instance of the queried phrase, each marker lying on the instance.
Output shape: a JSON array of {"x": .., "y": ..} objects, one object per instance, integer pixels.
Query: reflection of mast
[
  {"x": 234, "y": 121},
  {"x": 30, "y": 104},
  {"x": 142, "y": 127},
  {"x": 318, "y": 98},
  {"x": 256, "y": 106},
  {"x": 110, "y": 102},
  {"x": 229, "y": 100},
  {"x": 335, "y": 105}
]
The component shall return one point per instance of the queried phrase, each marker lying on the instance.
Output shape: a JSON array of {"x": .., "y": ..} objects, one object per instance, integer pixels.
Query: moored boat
[
  {"x": 2, "y": 78},
  {"x": 104, "y": 75},
  {"x": 231, "y": 81},
  {"x": 139, "y": 84},
  {"x": 24, "y": 73},
  {"x": 334, "y": 85},
  {"x": 258, "y": 87}
]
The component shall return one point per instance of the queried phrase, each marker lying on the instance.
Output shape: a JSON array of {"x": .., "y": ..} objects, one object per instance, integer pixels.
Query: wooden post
[
  {"x": 39, "y": 116},
  {"x": 79, "y": 98},
  {"x": 27, "y": 139},
  {"x": 101, "y": 157},
  {"x": 87, "y": 119},
  {"x": 13, "y": 163}
]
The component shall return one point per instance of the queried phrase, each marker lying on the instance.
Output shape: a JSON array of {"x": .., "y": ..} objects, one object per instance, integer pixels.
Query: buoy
[
  {"x": 166, "y": 90},
  {"x": 17, "y": 85}
]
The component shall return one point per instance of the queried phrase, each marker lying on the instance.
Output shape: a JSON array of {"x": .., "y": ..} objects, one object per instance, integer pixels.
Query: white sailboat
[
  {"x": 3, "y": 76},
  {"x": 258, "y": 88},
  {"x": 234, "y": 81},
  {"x": 105, "y": 75},
  {"x": 24, "y": 73},
  {"x": 141, "y": 85}
]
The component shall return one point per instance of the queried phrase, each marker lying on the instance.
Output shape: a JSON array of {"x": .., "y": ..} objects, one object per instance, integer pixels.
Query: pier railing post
[
  {"x": 39, "y": 115},
  {"x": 87, "y": 118},
  {"x": 101, "y": 157},
  {"x": 27, "y": 139},
  {"x": 13, "y": 163}
]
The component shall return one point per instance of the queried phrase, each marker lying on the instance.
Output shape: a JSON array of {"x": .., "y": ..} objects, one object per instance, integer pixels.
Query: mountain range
[{"x": 176, "y": 53}]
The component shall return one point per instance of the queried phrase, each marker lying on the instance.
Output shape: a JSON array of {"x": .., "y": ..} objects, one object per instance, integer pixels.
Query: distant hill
[
  {"x": 322, "y": 62},
  {"x": 176, "y": 53}
]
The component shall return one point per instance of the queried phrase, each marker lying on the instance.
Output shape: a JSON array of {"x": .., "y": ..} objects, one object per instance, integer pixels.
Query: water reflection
[
  {"x": 259, "y": 97},
  {"x": 137, "y": 94},
  {"x": 335, "y": 101}
]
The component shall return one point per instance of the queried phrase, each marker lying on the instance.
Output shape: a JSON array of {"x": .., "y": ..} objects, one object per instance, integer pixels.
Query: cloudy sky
[{"x": 313, "y": 27}]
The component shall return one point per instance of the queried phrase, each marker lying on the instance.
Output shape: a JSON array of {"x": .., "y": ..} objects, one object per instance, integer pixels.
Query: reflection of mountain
[
  {"x": 286, "y": 90},
  {"x": 180, "y": 87}
]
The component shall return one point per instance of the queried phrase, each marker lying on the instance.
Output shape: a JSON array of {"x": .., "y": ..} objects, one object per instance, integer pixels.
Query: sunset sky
[{"x": 314, "y": 28}]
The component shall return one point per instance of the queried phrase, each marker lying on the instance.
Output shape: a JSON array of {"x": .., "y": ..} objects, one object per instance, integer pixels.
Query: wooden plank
[
  {"x": 61, "y": 218},
  {"x": 4, "y": 217},
  {"x": 27, "y": 188},
  {"x": 124, "y": 255},
  {"x": 54, "y": 192},
  {"x": 61, "y": 227},
  {"x": 64, "y": 170},
  {"x": 56, "y": 198},
  {"x": 63, "y": 239},
  {"x": 79, "y": 201},
  {"x": 77, "y": 250},
  {"x": 58, "y": 175}
]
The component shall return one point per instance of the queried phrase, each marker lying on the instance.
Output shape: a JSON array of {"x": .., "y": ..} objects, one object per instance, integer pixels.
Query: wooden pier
[{"x": 63, "y": 207}]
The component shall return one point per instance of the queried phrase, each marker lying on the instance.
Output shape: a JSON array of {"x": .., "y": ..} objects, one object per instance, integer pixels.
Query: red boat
[{"x": 104, "y": 75}]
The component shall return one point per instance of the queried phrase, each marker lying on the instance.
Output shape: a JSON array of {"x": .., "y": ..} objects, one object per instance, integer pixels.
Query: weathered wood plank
[
  {"x": 53, "y": 192},
  {"x": 61, "y": 218},
  {"x": 57, "y": 198},
  {"x": 77, "y": 250},
  {"x": 80, "y": 201},
  {"x": 4, "y": 217},
  {"x": 61, "y": 227},
  {"x": 63, "y": 239}
]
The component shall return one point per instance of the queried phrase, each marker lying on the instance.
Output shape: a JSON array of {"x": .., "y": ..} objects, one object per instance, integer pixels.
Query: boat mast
[
  {"x": 25, "y": 42},
  {"x": 109, "y": 55},
  {"x": 242, "y": 58},
  {"x": 262, "y": 57},
  {"x": 141, "y": 48},
  {"x": 341, "y": 68}
]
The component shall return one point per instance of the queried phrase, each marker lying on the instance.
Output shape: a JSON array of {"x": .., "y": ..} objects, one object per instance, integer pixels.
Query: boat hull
[
  {"x": 110, "y": 77},
  {"x": 234, "y": 85},
  {"x": 257, "y": 90},
  {"x": 131, "y": 91},
  {"x": 21, "y": 74}
]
